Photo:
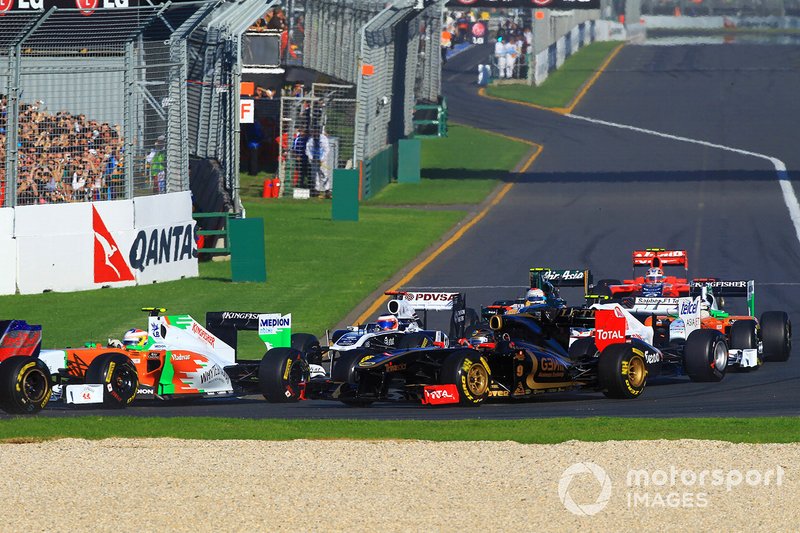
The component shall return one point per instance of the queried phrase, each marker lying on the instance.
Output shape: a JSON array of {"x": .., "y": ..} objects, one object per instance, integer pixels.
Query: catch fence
[{"x": 112, "y": 104}]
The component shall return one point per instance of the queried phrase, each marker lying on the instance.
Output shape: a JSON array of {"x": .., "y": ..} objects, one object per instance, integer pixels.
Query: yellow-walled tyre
[
  {"x": 622, "y": 373},
  {"x": 465, "y": 370},
  {"x": 25, "y": 386}
]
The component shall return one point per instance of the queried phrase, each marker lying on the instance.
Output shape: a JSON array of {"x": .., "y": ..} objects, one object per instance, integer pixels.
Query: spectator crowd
[{"x": 63, "y": 157}]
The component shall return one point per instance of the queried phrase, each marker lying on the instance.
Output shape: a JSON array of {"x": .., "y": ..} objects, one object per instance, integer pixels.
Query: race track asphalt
[{"x": 597, "y": 192}]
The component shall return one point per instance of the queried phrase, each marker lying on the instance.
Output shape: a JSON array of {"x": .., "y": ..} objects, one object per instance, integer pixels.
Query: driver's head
[
  {"x": 654, "y": 275},
  {"x": 480, "y": 336},
  {"x": 134, "y": 337},
  {"x": 387, "y": 322}
]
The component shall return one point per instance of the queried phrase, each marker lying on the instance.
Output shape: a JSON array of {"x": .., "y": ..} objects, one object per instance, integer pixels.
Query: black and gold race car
[{"x": 527, "y": 354}]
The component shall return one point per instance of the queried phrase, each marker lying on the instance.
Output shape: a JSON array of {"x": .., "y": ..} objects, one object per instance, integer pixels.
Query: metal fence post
[{"x": 128, "y": 117}]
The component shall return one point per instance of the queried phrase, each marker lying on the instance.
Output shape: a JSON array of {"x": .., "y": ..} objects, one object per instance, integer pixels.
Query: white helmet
[
  {"x": 535, "y": 297},
  {"x": 654, "y": 275},
  {"x": 134, "y": 337}
]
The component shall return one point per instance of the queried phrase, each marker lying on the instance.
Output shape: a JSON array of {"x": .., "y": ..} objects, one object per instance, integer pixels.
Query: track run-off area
[{"x": 691, "y": 147}]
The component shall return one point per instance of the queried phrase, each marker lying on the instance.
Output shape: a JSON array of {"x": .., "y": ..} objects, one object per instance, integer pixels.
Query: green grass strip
[
  {"x": 462, "y": 168},
  {"x": 563, "y": 85},
  {"x": 539, "y": 431}
]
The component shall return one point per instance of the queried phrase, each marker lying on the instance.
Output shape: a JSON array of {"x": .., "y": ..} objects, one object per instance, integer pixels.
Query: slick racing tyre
[
  {"x": 118, "y": 376},
  {"x": 776, "y": 334},
  {"x": 621, "y": 372},
  {"x": 582, "y": 349},
  {"x": 281, "y": 375},
  {"x": 705, "y": 355},
  {"x": 414, "y": 340},
  {"x": 344, "y": 366},
  {"x": 465, "y": 370},
  {"x": 743, "y": 335},
  {"x": 309, "y": 345},
  {"x": 24, "y": 385}
]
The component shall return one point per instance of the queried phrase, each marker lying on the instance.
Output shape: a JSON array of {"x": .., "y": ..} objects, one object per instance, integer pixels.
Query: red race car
[{"x": 653, "y": 283}]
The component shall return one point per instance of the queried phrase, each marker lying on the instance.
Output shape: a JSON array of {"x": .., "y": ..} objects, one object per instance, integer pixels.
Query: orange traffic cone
[
  {"x": 267, "y": 192},
  {"x": 276, "y": 188}
]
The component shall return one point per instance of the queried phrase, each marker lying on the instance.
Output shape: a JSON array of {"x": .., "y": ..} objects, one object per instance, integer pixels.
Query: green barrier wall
[
  {"x": 345, "y": 195},
  {"x": 248, "y": 258},
  {"x": 409, "y": 154}
]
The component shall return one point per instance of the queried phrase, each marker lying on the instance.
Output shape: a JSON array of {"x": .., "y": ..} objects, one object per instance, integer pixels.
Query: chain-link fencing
[
  {"x": 113, "y": 104},
  {"x": 318, "y": 135}
]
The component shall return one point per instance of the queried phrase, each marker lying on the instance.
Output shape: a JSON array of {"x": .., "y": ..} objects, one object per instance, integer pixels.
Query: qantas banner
[
  {"x": 532, "y": 4},
  {"x": 73, "y": 247},
  {"x": 8, "y": 252}
]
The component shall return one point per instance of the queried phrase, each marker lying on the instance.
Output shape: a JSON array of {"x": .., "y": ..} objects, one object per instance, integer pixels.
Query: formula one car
[
  {"x": 749, "y": 342},
  {"x": 770, "y": 336},
  {"x": 654, "y": 282},
  {"x": 530, "y": 364},
  {"x": 545, "y": 285},
  {"x": 175, "y": 357},
  {"x": 403, "y": 327}
]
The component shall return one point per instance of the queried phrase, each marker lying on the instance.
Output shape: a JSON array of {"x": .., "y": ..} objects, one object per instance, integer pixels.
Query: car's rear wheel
[
  {"x": 25, "y": 385},
  {"x": 705, "y": 355},
  {"x": 309, "y": 345},
  {"x": 743, "y": 335},
  {"x": 281, "y": 375},
  {"x": 117, "y": 374},
  {"x": 776, "y": 335},
  {"x": 465, "y": 370},
  {"x": 621, "y": 372}
]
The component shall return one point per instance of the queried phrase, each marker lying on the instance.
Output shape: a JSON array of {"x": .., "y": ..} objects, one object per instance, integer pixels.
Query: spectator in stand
[{"x": 156, "y": 164}]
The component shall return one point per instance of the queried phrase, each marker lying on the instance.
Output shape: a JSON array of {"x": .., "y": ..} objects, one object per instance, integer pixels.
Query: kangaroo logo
[{"x": 109, "y": 264}]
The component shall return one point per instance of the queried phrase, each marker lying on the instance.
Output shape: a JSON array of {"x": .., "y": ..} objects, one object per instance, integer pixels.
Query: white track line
[{"x": 789, "y": 197}]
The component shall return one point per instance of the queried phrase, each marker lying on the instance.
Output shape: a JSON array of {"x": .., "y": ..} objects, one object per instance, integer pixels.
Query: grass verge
[
  {"x": 317, "y": 269},
  {"x": 461, "y": 168},
  {"x": 540, "y": 431},
  {"x": 563, "y": 85}
]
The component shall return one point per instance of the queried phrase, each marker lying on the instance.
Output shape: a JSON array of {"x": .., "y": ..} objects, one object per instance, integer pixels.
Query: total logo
[{"x": 604, "y": 335}]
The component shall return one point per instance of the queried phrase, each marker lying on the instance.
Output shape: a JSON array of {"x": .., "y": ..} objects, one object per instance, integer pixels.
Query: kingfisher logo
[{"x": 109, "y": 263}]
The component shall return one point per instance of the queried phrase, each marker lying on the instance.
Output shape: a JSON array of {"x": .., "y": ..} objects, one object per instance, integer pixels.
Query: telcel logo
[{"x": 688, "y": 308}]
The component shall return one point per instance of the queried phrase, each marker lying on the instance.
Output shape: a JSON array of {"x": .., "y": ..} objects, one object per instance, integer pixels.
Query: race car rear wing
[
  {"x": 406, "y": 303},
  {"x": 660, "y": 257},
  {"x": 742, "y": 288},
  {"x": 560, "y": 278}
]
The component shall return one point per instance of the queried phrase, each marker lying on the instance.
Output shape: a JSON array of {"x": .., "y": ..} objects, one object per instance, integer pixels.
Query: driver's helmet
[
  {"x": 480, "y": 336},
  {"x": 654, "y": 275},
  {"x": 535, "y": 297},
  {"x": 134, "y": 337},
  {"x": 388, "y": 322},
  {"x": 705, "y": 308}
]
